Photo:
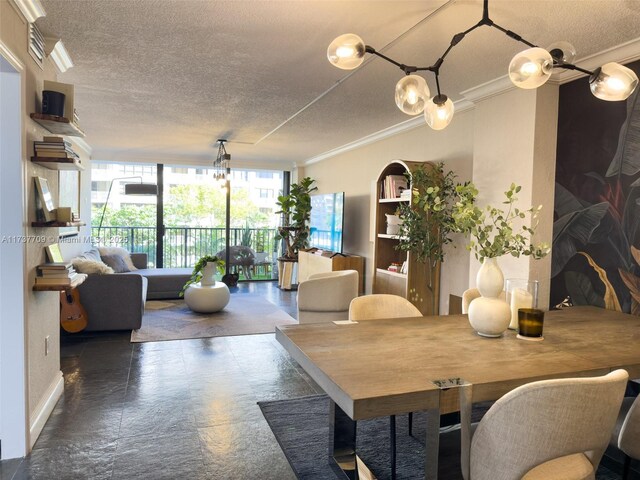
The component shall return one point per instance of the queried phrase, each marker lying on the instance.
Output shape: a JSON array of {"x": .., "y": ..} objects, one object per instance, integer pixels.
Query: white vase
[
  {"x": 489, "y": 315},
  {"x": 208, "y": 275}
]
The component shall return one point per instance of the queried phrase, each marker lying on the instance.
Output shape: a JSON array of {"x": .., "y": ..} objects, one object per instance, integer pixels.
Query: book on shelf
[
  {"x": 56, "y": 281},
  {"x": 47, "y": 272},
  {"x": 55, "y": 266},
  {"x": 55, "y": 139},
  {"x": 393, "y": 186}
]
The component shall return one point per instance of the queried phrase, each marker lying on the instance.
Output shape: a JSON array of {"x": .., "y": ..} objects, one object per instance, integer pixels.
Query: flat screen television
[{"x": 327, "y": 220}]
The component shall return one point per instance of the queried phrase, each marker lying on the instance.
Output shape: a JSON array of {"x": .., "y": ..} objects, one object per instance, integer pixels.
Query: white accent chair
[
  {"x": 370, "y": 307},
  {"x": 325, "y": 297},
  {"x": 626, "y": 434},
  {"x": 547, "y": 430}
]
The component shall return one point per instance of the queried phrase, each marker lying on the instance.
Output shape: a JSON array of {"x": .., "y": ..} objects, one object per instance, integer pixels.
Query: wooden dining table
[{"x": 384, "y": 367}]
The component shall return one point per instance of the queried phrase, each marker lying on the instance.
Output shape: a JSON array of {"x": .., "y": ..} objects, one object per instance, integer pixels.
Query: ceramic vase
[
  {"x": 208, "y": 275},
  {"x": 488, "y": 314}
]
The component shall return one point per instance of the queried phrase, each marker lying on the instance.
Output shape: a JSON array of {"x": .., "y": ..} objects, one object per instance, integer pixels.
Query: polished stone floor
[{"x": 181, "y": 409}]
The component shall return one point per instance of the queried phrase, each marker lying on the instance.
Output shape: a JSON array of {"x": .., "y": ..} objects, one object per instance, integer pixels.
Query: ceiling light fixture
[
  {"x": 56, "y": 51},
  {"x": 221, "y": 163},
  {"x": 530, "y": 68}
]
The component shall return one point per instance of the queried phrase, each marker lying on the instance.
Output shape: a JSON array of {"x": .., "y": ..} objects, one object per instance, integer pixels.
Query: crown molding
[
  {"x": 31, "y": 9},
  {"x": 56, "y": 51},
  {"x": 192, "y": 160},
  {"x": 488, "y": 89},
  {"x": 414, "y": 122}
]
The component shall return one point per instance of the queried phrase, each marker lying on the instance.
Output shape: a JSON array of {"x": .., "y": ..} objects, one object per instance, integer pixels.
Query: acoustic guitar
[{"x": 73, "y": 316}]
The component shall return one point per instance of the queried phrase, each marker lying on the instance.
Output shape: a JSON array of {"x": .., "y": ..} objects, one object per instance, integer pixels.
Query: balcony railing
[{"x": 183, "y": 246}]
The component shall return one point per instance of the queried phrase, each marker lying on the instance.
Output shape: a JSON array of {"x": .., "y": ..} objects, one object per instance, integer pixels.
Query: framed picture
[
  {"x": 69, "y": 196},
  {"x": 45, "y": 210}
]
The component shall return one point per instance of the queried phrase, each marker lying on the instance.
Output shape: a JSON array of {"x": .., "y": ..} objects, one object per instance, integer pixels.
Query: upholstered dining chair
[
  {"x": 626, "y": 434},
  {"x": 546, "y": 430},
  {"x": 326, "y": 296},
  {"x": 371, "y": 307}
]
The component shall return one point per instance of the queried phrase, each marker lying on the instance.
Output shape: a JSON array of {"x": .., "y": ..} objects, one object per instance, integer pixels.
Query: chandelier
[
  {"x": 221, "y": 163},
  {"x": 529, "y": 69}
]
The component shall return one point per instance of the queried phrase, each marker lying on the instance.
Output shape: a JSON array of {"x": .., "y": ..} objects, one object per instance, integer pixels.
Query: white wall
[
  {"x": 354, "y": 172},
  {"x": 515, "y": 141},
  {"x": 13, "y": 385}
]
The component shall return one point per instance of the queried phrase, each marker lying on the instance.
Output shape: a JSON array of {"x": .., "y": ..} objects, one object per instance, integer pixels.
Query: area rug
[
  {"x": 301, "y": 427},
  {"x": 246, "y": 314}
]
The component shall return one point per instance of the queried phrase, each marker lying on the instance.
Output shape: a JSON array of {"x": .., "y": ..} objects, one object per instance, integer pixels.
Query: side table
[{"x": 207, "y": 298}]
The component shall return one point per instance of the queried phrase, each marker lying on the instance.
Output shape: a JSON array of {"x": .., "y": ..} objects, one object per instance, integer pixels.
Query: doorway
[{"x": 13, "y": 415}]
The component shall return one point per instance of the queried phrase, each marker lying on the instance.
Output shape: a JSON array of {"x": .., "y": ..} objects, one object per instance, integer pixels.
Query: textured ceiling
[{"x": 165, "y": 78}]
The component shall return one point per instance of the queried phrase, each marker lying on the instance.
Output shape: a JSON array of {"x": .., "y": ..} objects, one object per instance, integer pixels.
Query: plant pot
[{"x": 489, "y": 315}]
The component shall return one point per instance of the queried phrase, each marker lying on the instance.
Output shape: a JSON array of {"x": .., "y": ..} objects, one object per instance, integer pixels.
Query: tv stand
[{"x": 310, "y": 263}]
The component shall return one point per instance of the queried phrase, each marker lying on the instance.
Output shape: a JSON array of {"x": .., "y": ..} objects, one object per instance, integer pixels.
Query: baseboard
[{"x": 44, "y": 408}]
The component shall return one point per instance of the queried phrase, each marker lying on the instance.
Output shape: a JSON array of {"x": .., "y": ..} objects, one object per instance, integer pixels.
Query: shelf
[
  {"x": 53, "y": 163},
  {"x": 392, "y": 237},
  {"x": 58, "y": 224},
  {"x": 57, "y": 288},
  {"x": 382, "y": 271},
  {"x": 59, "y": 125},
  {"x": 393, "y": 200}
]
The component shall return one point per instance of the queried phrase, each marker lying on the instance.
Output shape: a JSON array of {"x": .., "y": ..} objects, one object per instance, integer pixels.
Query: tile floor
[{"x": 183, "y": 409}]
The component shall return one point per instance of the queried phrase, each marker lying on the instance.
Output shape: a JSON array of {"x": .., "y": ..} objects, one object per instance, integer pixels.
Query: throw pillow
[
  {"x": 119, "y": 251},
  {"x": 116, "y": 262},
  {"x": 92, "y": 254},
  {"x": 84, "y": 265}
]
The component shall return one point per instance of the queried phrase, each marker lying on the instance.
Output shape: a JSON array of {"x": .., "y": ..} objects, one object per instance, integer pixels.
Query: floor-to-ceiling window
[{"x": 193, "y": 215}]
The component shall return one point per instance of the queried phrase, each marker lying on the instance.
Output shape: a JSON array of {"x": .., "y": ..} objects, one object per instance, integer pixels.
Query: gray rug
[
  {"x": 246, "y": 314},
  {"x": 301, "y": 427}
]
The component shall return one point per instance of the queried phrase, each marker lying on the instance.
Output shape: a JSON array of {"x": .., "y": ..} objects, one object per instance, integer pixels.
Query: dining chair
[
  {"x": 626, "y": 434},
  {"x": 371, "y": 307},
  {"x": 326, "y": 296},
  {"x": 546, "y": 430}
]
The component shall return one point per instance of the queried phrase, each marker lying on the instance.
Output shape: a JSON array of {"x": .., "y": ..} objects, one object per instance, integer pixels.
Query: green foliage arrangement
[
  {"x": 296, "y": 213},
  {"x": 196, "y": 275},
  {"x": 492, "y": 230},
  {"x": 428, "y": 223}
]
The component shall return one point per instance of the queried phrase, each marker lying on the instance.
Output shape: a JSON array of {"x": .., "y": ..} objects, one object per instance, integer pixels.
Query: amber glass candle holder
[{"x": 530, "y": 321}]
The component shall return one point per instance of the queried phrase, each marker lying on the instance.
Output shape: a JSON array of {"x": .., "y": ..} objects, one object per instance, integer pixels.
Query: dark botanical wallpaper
[{"x": 596, "y": 231}]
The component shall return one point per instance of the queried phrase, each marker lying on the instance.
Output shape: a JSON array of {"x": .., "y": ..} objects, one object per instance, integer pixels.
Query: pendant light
[{"x": 529, "y": 69}]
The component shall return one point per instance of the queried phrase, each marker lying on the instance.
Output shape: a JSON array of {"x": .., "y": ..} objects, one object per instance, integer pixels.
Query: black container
[{"x": 53, "y": 103}]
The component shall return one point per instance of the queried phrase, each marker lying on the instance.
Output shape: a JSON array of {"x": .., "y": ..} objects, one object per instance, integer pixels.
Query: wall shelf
[
  {"x": 81, "y": 277},
  {"x": 382, "y": 271},
  {"x": 53, "y": 163},
  {"x": 58, "y": 125},
  {"x": 58, "y": 224}
]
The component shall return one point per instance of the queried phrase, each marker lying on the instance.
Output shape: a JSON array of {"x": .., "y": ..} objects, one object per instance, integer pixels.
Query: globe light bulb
[
  {"x": 562, "y": 52},
  {"x": 613, "y": 82},
  {"x": 411, "y": 95},
  {"x": 346, "y": 52},
  {"x": 438, "y": 112},
  {"x": 531, "y": 68}
]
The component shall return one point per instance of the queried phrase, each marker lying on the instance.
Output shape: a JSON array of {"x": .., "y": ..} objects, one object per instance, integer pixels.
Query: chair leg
[
  {"x": 392, "y": 443},
  {"x": 410, "y": 424},
  {"x": 627, "y": 467}
]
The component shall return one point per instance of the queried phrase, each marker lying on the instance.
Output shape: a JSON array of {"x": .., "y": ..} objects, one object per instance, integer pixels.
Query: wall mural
[{"x": 596, "y": 231}]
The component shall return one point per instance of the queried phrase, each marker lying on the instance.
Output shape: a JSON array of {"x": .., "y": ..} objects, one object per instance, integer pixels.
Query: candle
[{"x": 520, "y": 298}]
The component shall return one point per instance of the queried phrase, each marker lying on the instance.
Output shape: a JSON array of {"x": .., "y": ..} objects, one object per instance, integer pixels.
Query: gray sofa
[{"x": 116, "y": 301}]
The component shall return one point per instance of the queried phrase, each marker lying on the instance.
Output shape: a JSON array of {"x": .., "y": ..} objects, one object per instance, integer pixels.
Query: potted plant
[
  {"x": 296, "y": 213},
  {"x": 204, "y": 271},
  {"x": 426, "y": 224},
  {"x": 493, "y": 234}
]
